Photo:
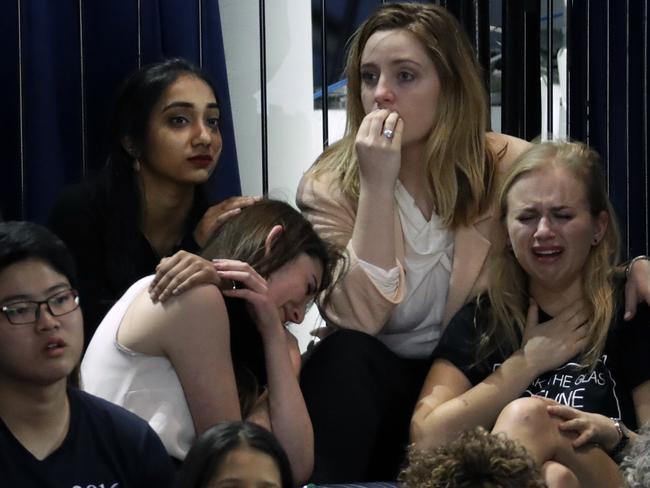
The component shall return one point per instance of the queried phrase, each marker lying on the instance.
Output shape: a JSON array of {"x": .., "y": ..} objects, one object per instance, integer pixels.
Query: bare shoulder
[
  {"x": 148, "y": 327},
  {"x": 195, "y": 304},
  {"x": 508, "y": 147}
]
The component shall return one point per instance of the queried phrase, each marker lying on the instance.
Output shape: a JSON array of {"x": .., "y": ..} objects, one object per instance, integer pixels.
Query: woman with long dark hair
[{"x": 149, "y": 201}]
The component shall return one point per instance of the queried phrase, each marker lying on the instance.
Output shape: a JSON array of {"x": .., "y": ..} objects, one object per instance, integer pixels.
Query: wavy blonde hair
[
  {"x": 459, "y": 163},
  {"x": 507, "y": 281}
]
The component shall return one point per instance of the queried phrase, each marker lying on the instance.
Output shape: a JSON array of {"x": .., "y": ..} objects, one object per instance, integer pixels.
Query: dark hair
[
  {"x": 210, "y": 449},
  {"x": 20, "y": 241},
  {"x": 131, "y": 115},
  {"x": 475, "y": 459},
  {"x": 243, "y": 236},
  {"x": 134, "y": 103}
]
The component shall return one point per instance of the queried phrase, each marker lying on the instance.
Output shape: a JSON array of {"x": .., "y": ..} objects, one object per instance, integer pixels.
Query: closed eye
[{"x": 525, "y": 218}]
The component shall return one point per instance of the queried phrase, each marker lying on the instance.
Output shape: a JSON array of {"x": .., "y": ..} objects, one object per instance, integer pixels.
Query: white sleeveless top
[
  {"x": 146, "y": 385},
  {"x": 415, "y": 325}
]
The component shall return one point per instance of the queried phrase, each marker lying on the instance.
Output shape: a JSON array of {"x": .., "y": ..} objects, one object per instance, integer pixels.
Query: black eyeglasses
[{"x": 28, "y": 312}]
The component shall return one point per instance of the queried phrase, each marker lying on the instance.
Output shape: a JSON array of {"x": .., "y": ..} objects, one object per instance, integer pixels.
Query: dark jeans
[{"x": 360, "y": 396}]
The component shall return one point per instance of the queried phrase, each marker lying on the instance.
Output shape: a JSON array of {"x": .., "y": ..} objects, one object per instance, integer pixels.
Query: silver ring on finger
[{"x": 388, "y": 134}]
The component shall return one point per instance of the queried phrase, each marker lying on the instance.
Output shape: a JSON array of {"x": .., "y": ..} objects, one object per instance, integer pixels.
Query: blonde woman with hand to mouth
[{"x": 409, "y": 193}]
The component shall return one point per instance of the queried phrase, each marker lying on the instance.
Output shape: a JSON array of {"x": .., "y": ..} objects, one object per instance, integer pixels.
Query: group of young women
[{"x": 440, "y": 254}]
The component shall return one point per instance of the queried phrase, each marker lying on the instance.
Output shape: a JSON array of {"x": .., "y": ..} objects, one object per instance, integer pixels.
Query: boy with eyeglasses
[{"x": 52, "y": 434}]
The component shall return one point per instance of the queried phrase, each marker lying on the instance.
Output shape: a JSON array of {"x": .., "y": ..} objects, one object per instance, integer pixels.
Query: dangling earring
[{"x": 136, "y": 165}]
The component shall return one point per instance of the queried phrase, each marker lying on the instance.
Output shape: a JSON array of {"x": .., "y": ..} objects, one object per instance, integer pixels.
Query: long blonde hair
[
  {"x": 507, "y": 281},
  {"x": 460, "y": 166}
]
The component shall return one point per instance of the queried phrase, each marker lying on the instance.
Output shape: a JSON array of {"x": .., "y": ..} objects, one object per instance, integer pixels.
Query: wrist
[
  {"x": 623, "y": 439},
  {"x": 529, "y": 368},
  {"x": 630, "y": 265}
]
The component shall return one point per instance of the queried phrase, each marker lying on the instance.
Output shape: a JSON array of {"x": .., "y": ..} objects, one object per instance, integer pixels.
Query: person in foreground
[
  {"x": 475, "y": 459},
  {"x": 52, "y": 434},
  {"x": 211, "y": 355},
  {"x": 236, "y": 454},
  {"x": 549, "y": 329},
  {"x": 150, "y": 199}
]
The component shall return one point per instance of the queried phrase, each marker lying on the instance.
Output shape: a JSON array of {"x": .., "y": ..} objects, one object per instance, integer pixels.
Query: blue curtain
[
  {"x": 608, "y": 104},
  {"x": 62, "y": 61}
]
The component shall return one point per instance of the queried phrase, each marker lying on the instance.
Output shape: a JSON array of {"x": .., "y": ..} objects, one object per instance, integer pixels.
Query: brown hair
[
  {"x": 476, "y": 459},
  {"x": 460, "y": 165},
  {"x": 242, "y": 237}
]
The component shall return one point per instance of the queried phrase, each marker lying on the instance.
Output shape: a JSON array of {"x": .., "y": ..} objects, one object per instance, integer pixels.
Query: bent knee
[
  {"x": 529, "y": 412},
  {"x": 557, "y": 475}
]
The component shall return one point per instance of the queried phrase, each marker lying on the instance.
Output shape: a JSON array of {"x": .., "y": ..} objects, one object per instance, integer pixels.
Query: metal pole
[
  {"x": 263, "y": 102},
  {"x": 549, "y": 68},
  {"x": 323, "y": 78}
]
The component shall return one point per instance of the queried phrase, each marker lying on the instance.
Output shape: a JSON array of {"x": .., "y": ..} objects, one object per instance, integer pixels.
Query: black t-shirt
[
  {"x": 106, "y": 446},
  {"x": 624, "y": 364}
]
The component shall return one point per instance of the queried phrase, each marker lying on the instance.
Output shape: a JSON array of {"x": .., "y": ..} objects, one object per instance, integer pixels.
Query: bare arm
[
  {"x": 287, "y": 411},
  {"x": 448, "y": 402},
  {"x": 193, "y": 332},
  {"x": 373, "y": 237}
]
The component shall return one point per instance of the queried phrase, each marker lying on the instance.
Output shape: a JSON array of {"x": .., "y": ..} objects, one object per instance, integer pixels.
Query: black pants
[{"x": 360, "y": 396}]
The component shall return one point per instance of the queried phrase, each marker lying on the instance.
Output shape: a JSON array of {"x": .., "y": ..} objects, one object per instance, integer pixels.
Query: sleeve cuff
[{"x": 385, "y": 281}]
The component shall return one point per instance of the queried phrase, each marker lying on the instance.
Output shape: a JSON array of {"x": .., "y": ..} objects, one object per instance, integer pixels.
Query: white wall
[{"x": 293, "y": 138}]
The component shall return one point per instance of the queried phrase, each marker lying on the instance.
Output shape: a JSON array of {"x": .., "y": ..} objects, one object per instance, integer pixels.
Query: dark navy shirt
[{"x": 106, "y": 447}]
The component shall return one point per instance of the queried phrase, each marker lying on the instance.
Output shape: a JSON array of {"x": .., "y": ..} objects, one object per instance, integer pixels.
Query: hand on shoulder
[{"x": 508, "y": 147}]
